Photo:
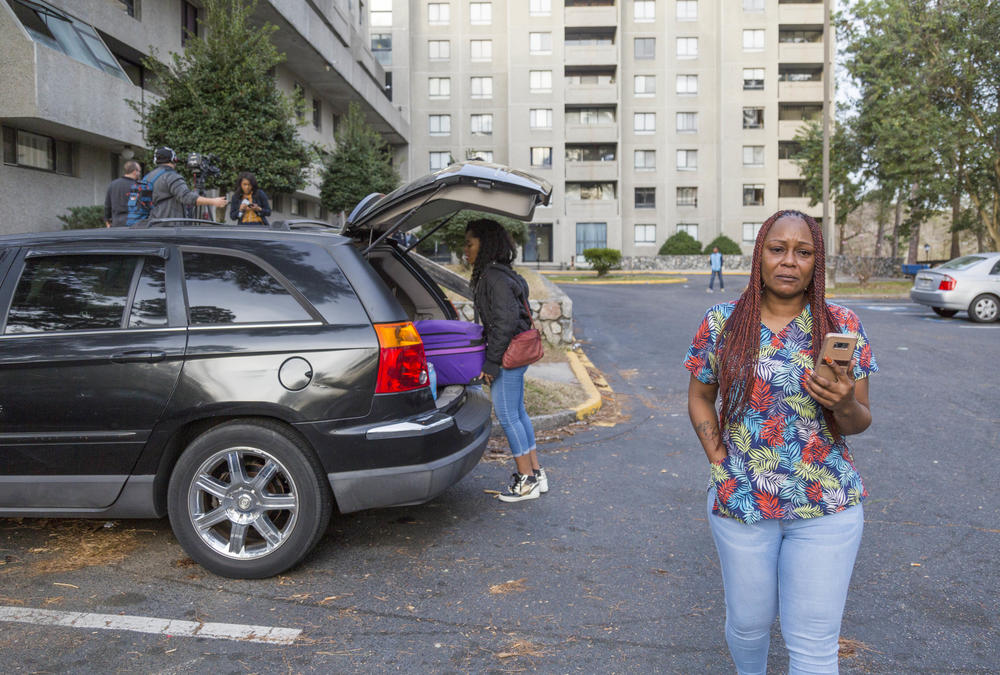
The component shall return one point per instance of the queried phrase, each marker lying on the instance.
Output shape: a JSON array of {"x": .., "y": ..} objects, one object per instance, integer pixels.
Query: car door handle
[{"x": 142, "y": 356}]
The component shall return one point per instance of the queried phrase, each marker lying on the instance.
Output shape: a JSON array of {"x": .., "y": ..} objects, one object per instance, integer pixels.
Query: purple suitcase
[{"x": 456, "y": 348}]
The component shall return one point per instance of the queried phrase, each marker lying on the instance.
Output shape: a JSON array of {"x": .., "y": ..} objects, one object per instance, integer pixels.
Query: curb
[{"x": 563, "y": 417}]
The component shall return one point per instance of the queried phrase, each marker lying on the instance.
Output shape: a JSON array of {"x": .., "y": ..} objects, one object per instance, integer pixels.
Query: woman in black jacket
[
  {"x": 249, "y": 204},
  {"x": 501, "y": 297}
]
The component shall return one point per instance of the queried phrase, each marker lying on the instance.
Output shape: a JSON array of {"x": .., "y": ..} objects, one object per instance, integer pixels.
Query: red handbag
[{"x": 525, "y": 348}]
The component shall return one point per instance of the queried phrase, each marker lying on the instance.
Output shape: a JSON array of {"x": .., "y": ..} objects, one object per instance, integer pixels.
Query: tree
[
  {"x": 83, "y": 217},
  {"x": 726, "y": 246},
  {"x": 360, "y": 164},
  {"x": 602, "y": 259},
  {"x": 452, "y": 235},
  {"x": 681, "y": 243},
  {"x": 220, "y": 98}
]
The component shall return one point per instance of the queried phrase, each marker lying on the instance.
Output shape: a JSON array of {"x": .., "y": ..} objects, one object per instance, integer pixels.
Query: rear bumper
[{"x": 943, "y": 299}]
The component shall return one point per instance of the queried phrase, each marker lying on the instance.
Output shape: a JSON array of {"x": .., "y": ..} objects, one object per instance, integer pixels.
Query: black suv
[{"x": 240, "y": 380}]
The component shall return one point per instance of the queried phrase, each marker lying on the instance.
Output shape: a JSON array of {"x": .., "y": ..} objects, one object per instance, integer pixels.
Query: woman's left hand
[
  {"x": 833, "y": 395},
  {"x": 488, "y": 379}
]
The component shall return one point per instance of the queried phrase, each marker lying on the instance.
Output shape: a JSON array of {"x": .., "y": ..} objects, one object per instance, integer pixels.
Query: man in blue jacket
[{"x": 716, "y": 260}]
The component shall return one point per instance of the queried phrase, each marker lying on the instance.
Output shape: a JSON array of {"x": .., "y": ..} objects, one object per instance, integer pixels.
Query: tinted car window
[
  {"x": 961, "y": 263},
  {"x": 149, "y": 308},
  {"x": 71, "y": 293},
  {"x": 996, "y": 268},
  {"x": 225, "y": 289}
]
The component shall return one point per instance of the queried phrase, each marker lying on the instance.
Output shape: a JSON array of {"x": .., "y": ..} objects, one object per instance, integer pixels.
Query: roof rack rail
[
  {"x": 304, "y": 224},
  {"x": 176, "y": 222}
]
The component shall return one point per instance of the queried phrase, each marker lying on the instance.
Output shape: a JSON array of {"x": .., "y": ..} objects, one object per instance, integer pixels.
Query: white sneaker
[
  {"x": 523, "y": 487},
  {"x": 708, "y": 290},
  {"x": 543, "y": 481}
]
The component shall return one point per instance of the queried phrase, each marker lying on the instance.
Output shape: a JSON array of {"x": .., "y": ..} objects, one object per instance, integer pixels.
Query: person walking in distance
[
  {"x": 116, "y": 199},
  {"x": 170, "y": 192},
  {"x": 500, "y": 296},
  {"x": 784, "y": 502},
  {"x": 716, "y": 263}
]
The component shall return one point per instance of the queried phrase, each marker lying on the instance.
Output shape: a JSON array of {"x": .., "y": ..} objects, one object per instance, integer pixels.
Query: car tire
[
  {"x": 984, "y": 308},
  {"x": 946, "y": 313},
  {"x": 250, "y": 526}
]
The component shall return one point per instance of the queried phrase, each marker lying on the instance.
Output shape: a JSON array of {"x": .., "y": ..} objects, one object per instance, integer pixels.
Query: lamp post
[
  {"x": 828, "y": 227},
  {"x": 927, "y": 252}
]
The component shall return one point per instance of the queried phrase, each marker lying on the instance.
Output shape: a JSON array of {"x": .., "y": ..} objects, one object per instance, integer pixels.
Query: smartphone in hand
[{"x": 839, "y": 348}]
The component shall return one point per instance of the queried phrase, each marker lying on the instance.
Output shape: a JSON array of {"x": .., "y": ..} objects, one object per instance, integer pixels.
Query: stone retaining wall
[
  {"x": 848, "y": 266},
  {"x": 554, "y": 314}
]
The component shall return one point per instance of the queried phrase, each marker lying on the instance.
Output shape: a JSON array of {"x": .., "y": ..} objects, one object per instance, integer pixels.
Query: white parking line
[{"x": 148, "y": 624}]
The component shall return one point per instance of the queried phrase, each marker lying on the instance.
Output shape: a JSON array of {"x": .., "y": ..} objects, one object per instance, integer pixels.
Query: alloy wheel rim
[
  {"x": 243, "y": 503},
  {"x": 986, "y": 309}
]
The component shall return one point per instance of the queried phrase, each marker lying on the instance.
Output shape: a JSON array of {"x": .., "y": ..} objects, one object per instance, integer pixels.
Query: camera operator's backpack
[{"x": 140, "y": 198}]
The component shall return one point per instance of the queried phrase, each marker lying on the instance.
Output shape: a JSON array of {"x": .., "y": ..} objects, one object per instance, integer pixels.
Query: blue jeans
[
  {"x": 799, "y": 569},
  {"x": 711, "y": 281},
  {"x": 507, "y": 391}
]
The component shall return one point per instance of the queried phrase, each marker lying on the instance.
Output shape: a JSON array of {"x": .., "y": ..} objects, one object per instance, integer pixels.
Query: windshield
[{"x": 961, "y": 263}]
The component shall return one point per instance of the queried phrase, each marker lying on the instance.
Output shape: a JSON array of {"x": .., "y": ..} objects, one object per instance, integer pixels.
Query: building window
[
  {"x": 130, "y": 7},
  {"x": 189, "y": 21},
  {"x": 753, "y": 40},
  {"x": 579, "y": 76},
  {"x": 590, "y": 153},
  {"x": 541, "y": 157},
  {"x": 644, "y": 10},
  {"x": 800, "y": 35},
  {"x": 800, "y": 73},
  {"x": 689, "y": 228},
  {"x": 687, "y": 196},
  {"x": 645, "y": 48},
  {"x": 805, "y": 112},
  {"x": 591, "y": 191},
  {"x": 382, "y": 48},
  {"x": 540, "y": 7},
  {"x": 299, "y": 98},
  {"x": 538, "y": 247},
  {"x": 753, "y": 5},
  {"x": 645, "y": 198},
  {"x": 687, "y": 122},
  {"x": 687, "y": 47},
  {"x": 750, "y": 231},
  {"x": 540, "y": 43},
  {"x": 590, "y": 235},
  {"x": 540, "y": 80},
  {"x": 687, "y": 10},
  {"x": 687, "y": 84},
  {"x": 591, "y": 116},
  {"x": 317, "y": 115},
  {"x": 788, "y": 149},
  {"x": 480, "y": 155},
  {"x": 439, "y": 125},
  {"x": 540, "y": 118},
  {"x": 481, "y": 124},
  {"x": 753, "y": 79},
  {"x": 753, "y": 194},
  {"x": 645, "y": 85},
  {"x": 645, "y": 160},
  {"x": 753, "y": 118},
  {"x": 644, "y": 123},
  {"x": 35, "y": 151},
  {"x": 439, "y": 87},
  {"x": 481, "y": 87},
  {"x": 381, "y": 13},
  {"x": 687, "y": 160},
  {"x": 296, "y": 206},
  {"x": 645, "y": 235},
  {"x": 792, "y": 188},
  {"x": 438, "y": 50},
  {"x": 481, "y": 13},
  {"x": 481, "y": 50},
  {"x": 440, "y": 160},
  {"x": 753, "y": 155},
  {"x": 439, "y": 13}
]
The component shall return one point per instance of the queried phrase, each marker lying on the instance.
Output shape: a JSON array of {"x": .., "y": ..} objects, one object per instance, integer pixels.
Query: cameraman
[{"x": 171, "y": 195}]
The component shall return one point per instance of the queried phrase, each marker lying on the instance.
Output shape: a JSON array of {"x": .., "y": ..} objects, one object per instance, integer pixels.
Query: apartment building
[
  {"x": 68, "y": 68},
  {"x": 648, "y": 116}
]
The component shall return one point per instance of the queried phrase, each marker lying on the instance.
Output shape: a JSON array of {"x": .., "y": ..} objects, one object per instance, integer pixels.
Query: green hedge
[
  {"x": 83, "y": 217},
  {"x": 681, "y": 243},
  {"x": 726, "y": 246},
  {"x": 602, "y": 259}
]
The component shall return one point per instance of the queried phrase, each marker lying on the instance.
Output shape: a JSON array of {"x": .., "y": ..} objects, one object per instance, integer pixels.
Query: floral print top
[{"x": 782, "y": 459}]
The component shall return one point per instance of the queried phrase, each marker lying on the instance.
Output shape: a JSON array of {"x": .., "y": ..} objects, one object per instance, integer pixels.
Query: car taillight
[
  {"x": 402, "y": 365},
  {"x": 947, "y": 284}
]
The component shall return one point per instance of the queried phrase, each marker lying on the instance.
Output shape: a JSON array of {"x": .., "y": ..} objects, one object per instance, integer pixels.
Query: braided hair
[
  {"x": 739, "y": 342},
  {"x": 495, "y": 245}
]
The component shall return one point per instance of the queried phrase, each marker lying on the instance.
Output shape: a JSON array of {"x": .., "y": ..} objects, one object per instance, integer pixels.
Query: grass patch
[
  {"x": 899, "y": 289},
  {"x": 542, "y": 397}
]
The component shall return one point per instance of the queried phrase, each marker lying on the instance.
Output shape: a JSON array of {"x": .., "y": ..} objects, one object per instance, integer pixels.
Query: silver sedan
[{"x": 970, "y": 283}]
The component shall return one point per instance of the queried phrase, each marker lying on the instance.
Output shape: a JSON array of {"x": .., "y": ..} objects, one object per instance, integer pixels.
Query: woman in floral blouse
[{"x": 785, "y": 498}]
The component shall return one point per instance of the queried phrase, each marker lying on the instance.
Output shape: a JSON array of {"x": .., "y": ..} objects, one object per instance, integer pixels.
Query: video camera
[{"x": 202, "y": 164}]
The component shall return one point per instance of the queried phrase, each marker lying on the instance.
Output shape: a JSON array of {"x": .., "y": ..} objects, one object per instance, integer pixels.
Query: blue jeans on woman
[
  {"x": 799, "y": 569},
  {"x": 507, "y": 391}
]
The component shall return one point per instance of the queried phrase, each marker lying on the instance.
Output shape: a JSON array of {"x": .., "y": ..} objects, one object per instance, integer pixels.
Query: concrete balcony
[
  {"x": 591, "y": 209},
  {"x": 799, "y": 204},
  {"x": 591, "y": 171},
  {"x": 800, "y": 52},
  {"x": 788, "y": 170},
  {"x": 804, "y": 13},
  {"x": 787, "y": 129},
  {"x": 595, "y": 133},
  {"x": 604, "y": 55},
  {"x": 591, "y": 93},
  {"x": 592, "y": 17},
  {"x": 811, "y": 92}
]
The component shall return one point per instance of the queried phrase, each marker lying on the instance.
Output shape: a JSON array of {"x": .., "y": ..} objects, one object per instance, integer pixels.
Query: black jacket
[
  {"x": 259, "y": 198},
  {"x": 116, "y": 201},
  {"x": 499, "y": 299}
]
